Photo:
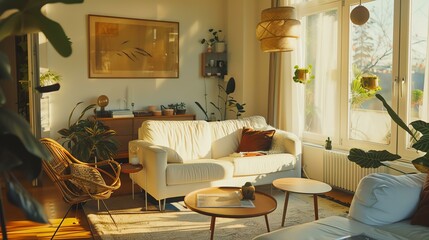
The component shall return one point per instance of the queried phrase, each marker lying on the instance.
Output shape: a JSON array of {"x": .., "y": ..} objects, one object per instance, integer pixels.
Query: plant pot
[
  {"x": 220, "y": 47},
  {"x": 180, "y": 111},
  {"x": 168, "y": 112},
  {"x": 369, "y": 82},
  {"x": 302, "y": 75}
]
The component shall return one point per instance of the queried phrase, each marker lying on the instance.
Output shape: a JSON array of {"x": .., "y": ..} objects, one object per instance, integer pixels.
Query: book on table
[{"x": 223, "y": 200}]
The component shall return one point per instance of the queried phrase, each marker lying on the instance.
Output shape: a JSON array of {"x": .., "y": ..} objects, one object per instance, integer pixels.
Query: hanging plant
[{"x": 303, "y": 74}]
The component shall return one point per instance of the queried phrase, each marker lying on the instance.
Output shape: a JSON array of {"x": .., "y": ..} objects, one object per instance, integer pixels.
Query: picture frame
[{"x": 132, "y": 48}]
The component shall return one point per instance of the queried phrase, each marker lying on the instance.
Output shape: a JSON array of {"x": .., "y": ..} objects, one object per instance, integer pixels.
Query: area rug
[{"x": 177, "y": 222}]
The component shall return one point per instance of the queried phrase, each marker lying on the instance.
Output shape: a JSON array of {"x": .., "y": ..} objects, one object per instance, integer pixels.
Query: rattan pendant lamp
[{"x": 279, "y": 29}]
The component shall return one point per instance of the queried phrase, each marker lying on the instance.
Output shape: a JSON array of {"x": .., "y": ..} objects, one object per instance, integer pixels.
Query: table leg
[
  {"x": 316, "y": 208},
  {"x": 266, "y": 221},
  {"x": 285, "y": 208},
  {"x": 212, "y": 227},
  {"x": 132, "y": 186}
]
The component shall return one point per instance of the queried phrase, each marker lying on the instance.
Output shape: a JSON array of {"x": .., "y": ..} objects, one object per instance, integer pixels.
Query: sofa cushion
[
  {"x": 421, "y": 216},
  {"x": 255, "y": 140},
  {"x": 270, "y": 163},
  {"x": 383, "y": 199},
  {"x": 183, "y": 140},
  {"x": 226, "y": 134},
  {"x": 201, "y": 170}
]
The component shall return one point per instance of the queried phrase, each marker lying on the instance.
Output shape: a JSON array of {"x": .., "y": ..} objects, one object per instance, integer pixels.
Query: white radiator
[{"x": 340, "y": 172}]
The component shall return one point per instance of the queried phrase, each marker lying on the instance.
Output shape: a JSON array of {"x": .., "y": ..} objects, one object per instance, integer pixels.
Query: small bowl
[
  {"x": 157, "y": 113},
  {"x": 151, "y": 108}
]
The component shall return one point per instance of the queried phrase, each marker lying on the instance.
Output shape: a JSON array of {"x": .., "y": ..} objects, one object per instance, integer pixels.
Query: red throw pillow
[
  {"x": 421, "y": 216},
  {"x": 253, "y": 140}
]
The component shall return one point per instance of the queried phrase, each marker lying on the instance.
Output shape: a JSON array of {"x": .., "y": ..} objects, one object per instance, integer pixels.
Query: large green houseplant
[
  {"x": 19, "y": 149},
  {"x": 87, "y": 138},
  {"x": 375, "y": 159}
]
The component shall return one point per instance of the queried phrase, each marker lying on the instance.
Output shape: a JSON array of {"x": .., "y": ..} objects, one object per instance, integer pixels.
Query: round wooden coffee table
[
  {"x": 301, "y": 185},
  {"x": 264, "y": 204}
]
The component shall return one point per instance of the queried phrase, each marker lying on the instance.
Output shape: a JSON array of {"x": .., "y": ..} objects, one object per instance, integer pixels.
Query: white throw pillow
[{"x": 384, "y": 199}]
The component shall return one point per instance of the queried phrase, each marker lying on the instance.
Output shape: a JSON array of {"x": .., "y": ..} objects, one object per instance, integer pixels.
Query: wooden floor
[{"x": 76, "y": 225}]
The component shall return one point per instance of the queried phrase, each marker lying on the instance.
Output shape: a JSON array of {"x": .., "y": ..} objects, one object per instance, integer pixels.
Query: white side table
[{"x": 301, "y": 185}]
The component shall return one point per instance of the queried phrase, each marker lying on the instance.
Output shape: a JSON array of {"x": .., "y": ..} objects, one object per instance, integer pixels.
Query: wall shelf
[{"x": 214, "y": 64}]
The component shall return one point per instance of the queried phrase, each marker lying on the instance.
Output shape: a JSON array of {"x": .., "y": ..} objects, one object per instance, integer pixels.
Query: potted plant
[
  {"x": 375, "y": 159},
  {"x": 180, "y": 108},
  {"x": 303, "y": 74},
  {"x": 89, "y": 139},
  {"x": 215, "y": 38}
]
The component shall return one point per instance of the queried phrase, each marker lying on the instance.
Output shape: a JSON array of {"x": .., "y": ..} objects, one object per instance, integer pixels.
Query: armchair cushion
[
  {"x": 384, "y": 199},
  {"x": 90, "y": 175}
]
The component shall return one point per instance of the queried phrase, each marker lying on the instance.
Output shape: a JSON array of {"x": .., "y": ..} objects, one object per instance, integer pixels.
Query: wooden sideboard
[{"x": 127, "y": 128}]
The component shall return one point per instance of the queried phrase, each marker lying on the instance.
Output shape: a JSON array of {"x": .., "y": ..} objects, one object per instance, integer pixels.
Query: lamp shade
[{"x": 278, "y": 30}]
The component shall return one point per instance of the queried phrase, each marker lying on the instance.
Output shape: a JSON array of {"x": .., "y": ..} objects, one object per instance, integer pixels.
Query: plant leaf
[
  {"x": 202, "y": 109},
  {"x": 422, "y": 163},
  {"x": 18, "y": 196},
  {"x": 422, "y": 144},
  {"x": 230, "y": 86},
  {"x": 17, "y": 139},
  {"x": 372, "y": 158},
  {"x": 421, "y": 126},
  {"x": 29, "y": 19},
  {"x": 394, "y": 116}
]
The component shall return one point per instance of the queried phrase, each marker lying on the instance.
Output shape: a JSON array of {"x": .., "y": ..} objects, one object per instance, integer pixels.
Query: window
[
  {"x": 392, "y": 45},
  {"x": 321, "y": 41}
]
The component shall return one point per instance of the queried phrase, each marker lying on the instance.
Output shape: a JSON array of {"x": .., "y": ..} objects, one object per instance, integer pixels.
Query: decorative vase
[
  {"x": 248, "y": 191},
  {"x": 180, "y": 111},
  {"x": 209, "y": 48},
  {"x": 220, "y": 47}
]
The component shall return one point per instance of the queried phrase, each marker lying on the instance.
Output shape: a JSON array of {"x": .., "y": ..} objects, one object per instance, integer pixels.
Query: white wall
[{"x": 237, "y": 18}]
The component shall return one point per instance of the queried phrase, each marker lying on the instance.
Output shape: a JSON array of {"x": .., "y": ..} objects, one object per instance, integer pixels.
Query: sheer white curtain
[
  {"x": 318, "y": 47},
  {"x": 425, "y": 106}
]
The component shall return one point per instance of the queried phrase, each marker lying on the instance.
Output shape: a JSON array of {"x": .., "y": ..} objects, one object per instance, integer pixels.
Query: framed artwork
[{"x": 132, "y": 48}]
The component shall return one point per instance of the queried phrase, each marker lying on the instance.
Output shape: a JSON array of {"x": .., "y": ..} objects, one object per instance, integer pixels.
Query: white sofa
[
  {"x": 183, "y": 156},
  {"x": 381, "y": 209}
]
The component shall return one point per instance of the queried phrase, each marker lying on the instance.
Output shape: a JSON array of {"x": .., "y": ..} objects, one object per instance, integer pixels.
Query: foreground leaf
[
  {"x": 372, "y": 158},
  {"x": 28, "y": 18},
  {"x": 17, "y": 195},
  {"x": 395, "y": 116},
  {"x": 422, "y": 163}
]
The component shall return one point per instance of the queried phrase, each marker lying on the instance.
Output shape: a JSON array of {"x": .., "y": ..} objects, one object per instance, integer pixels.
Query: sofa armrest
[
  {"x": 154, "y": 160},
  {"x": 286, "y": 142}
]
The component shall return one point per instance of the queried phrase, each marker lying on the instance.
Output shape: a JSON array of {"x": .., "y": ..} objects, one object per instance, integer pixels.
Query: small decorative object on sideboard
[
  {"x": 248, "y": 191},
  {"x": 180, "y": 108},
  {"x": 167, "y": 111}
]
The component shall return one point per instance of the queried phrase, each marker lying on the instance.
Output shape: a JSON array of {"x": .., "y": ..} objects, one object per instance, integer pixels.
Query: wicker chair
[{"x": 78, "y": 181}]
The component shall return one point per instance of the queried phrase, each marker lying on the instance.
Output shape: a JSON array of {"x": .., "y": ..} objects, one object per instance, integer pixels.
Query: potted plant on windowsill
[{"x": 303, "y": 74}]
